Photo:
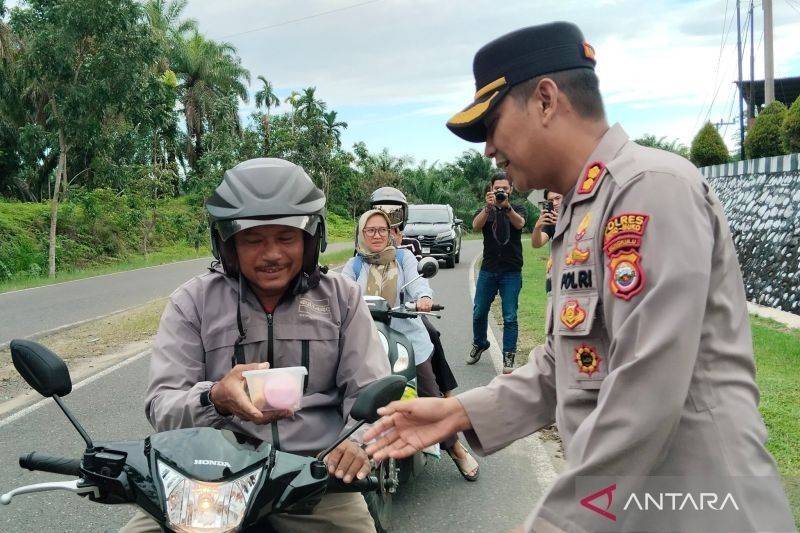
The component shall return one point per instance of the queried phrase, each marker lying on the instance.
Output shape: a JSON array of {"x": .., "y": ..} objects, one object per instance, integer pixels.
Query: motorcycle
[
  {"x": 195, "y": 479},
  {"x": 392, "y": 473}
]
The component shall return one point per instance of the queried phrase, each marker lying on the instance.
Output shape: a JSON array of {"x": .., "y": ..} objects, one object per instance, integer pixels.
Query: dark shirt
[
  {"x": 502, "y": 244},
  {"x": 549, "y": 230}
]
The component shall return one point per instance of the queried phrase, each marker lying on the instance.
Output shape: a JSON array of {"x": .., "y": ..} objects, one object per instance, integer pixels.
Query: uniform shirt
[
  {"x": 505, "y": 255},
  {"x": 648, "y": 368},
  {"x": 195, "y": 343}
]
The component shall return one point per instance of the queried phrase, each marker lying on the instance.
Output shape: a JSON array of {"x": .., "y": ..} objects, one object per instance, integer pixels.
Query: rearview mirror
[
  {"x": 42, "y": 369},
  {"x": 428, "y": 267},
  {"x": 376, "y": 395},
  {"x": 458, "y": 222}
]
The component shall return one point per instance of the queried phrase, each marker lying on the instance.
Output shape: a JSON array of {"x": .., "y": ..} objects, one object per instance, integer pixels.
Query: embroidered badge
[
  {"x": 577, "y": 256},
  {"x": 583, "y": 226},
  {"x": 592, "y": 177},
  {"x": 627, "y": 278},
  {"x": 576, "y": 280},
  {"x": 572, "y": 314},
  {"x": 588, "y": 51},
  {"x": 549, "y": 264},
  {"x": 624, "y": 231},
  {"x": 587, "y": 359}
]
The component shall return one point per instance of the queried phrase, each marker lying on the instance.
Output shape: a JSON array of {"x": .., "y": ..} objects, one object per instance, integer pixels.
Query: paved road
[
  {"x": 110, "y": 407},
  {"x": 29, "y": 312}
]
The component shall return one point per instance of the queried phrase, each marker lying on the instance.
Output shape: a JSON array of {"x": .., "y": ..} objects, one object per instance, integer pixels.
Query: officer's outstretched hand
[
  {"x": 230, "y": 397},
  {"x": 408, "y": 426},
  {"x": 348, "y": 461}
]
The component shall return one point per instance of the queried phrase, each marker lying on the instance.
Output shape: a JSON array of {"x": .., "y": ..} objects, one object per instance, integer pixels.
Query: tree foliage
[
  {"x": 790, "y": 131},
  {"x": 764, "y": 138},
  {"x": 663, "y": 144},
  {"x": 708, "y": 148}
]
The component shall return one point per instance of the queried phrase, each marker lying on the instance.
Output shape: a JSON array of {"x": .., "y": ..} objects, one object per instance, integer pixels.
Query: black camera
[
  {"x": 547, "y": 205},
  {"x": 500, "y": 196}
]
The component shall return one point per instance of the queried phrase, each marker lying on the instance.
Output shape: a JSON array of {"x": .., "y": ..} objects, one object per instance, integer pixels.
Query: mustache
[{"x": 270, "y": 266}]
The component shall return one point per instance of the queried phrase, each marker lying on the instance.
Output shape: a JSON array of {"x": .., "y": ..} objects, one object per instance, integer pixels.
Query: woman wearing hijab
[{"x": 383, "y": 272}]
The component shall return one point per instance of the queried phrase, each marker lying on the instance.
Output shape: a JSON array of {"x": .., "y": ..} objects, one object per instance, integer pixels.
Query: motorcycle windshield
[{"x": 208, "y": 454}]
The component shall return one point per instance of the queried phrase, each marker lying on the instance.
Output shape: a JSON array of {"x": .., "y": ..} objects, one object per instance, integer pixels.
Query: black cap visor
[{"x": 469, "y": 123}]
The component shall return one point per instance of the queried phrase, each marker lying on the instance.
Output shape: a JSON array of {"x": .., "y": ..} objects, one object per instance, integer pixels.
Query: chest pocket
[
  {"x": 581, "y": 339},
  {"x": 219, "y": 349},
  {"x": 314, "y": 346}
]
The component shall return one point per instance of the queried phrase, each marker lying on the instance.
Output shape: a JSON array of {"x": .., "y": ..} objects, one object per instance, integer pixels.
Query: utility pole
[
  {"x": 769, "y": 70},
  {"x": 751, "y": 113},
  {"x": 739, "y": 61}
]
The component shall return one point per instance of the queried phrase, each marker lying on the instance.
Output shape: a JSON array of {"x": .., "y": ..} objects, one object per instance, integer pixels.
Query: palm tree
[
  {"x": 207, "y": 71},
  {"x": 293, "y": 100},
  {"x": 266, "y": 98},
  {"x": 333, "y": 129},
  {"x": 168, "y": 28},
  {"x": 308, "y": 105},
  {"x": 7, "y": 37}
]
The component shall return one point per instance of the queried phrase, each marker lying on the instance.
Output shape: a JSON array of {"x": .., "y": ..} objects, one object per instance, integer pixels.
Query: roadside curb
[
  {"x": 785, "y": 318},
  {"x": 544, "y": 469}
]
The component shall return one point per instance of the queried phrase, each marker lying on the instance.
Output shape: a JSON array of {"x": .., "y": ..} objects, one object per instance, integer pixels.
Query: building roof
[{"x": 786, "y": 90}]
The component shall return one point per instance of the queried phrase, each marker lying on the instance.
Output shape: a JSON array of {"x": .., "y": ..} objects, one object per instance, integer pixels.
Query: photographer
[
  {"x": 545, "y": 226},
  {"x": 501, "y": 270}
]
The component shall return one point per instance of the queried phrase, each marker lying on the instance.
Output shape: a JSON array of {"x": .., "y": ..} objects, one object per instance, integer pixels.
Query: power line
[
  {"x": 716, "y": 82},
  {"x": 292, "y": 21}
]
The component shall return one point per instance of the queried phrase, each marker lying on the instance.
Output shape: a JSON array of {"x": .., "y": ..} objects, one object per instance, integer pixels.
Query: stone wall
[{"x": 762, "y": 202}]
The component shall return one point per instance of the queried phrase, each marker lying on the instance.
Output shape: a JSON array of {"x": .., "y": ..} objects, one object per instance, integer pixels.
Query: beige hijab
[{"x": 382, "y": 274}]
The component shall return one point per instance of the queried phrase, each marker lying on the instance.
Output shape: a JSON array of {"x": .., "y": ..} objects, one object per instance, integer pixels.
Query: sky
[{"x": 396, "y": 70}]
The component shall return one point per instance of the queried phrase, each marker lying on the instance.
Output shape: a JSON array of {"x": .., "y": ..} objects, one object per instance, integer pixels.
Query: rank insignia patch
[
  {"x": 572, "y": 314},
  {"x": 592, "y": 177},
  {"x": 627, "y": 278},
  {"x": 583, "y": 226},
  {"x": 577, "y": 256},
  {"x": 587, "y": 359},
  {"x": 549, "y": 264},
  {"x": 624, "y": 231}
]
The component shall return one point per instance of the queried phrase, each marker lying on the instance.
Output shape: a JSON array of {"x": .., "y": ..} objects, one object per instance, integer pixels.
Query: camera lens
[{"x": 500, "y": 196}]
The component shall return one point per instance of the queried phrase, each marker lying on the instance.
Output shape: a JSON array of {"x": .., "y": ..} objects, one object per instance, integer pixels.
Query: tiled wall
[{"x": 762, "y": 202}]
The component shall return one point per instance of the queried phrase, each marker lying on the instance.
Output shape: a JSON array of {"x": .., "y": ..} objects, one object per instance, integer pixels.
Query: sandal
[{"x": 467, "y": 466}]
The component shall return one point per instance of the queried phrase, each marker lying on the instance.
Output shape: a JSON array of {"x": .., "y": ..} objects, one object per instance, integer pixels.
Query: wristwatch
[{"x": 205, "y": 397}]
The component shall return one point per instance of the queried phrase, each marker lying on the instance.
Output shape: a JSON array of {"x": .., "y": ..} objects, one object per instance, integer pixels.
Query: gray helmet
[
  {"x": 392, "y": 202},
  {"x": 261, "y": 192}
]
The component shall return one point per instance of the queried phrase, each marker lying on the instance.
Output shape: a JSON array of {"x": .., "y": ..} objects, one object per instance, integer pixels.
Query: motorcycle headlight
[
  {"x": 199, "y": 506},
  {"x": 449, "y": 234},
  {"x": 402, "y": 359}
]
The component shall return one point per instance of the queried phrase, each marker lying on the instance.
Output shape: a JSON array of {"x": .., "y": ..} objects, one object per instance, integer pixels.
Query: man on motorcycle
[{"x": 267, "y": 303}]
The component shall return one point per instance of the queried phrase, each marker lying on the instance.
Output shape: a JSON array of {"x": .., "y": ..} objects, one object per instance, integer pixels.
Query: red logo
[{"x": 608, "y": 492}]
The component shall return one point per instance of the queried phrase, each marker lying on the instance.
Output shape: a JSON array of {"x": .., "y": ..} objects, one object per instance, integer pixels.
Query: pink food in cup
[{"x": 281, "y": 391}]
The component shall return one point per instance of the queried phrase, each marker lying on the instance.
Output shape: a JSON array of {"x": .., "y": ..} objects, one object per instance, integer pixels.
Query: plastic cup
[{"x": 276, "y": 389}]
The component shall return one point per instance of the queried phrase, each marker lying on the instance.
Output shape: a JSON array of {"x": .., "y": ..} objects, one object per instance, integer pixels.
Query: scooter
[
  {"x": 190, "y": 480},
  {"x": 391, "y": 473}
]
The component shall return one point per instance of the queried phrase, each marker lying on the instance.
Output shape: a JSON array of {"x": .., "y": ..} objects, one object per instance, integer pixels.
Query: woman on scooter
[{"x": 385, "y": 271}]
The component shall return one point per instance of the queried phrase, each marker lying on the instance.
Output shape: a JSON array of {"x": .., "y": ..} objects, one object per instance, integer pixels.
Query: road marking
[
  {"x": 542, "y": 465},
  {"x": 91, "y": 379}
]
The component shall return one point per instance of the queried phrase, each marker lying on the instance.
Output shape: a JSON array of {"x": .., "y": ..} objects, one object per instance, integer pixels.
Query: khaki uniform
[{"x": 648, "y": 367}]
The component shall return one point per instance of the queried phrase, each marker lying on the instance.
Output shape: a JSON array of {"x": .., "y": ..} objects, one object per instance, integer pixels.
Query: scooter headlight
[
  {"x": 402, "y": 359},
  {"x": 198, "y": 506}
]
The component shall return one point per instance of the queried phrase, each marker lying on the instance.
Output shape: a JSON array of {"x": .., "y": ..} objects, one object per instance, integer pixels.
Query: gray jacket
[
  {"x": 194, "y": 348},
  {"x": 648, "y": 367}
]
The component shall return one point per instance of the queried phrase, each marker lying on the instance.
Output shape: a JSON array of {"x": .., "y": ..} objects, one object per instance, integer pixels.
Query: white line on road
[
  {"x": 542, "y": 465},
  {"x": 91, "y": 379}
]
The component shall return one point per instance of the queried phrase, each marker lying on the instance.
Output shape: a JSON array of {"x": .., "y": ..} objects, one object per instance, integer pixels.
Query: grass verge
[{"x": 777, "y": 356}]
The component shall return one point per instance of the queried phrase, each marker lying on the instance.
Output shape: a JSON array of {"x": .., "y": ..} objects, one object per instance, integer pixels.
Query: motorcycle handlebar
[
  {"x": 50, "y": 463},
  {"x": 437, "y": 307},
  {"x": 368, "y": 484}
]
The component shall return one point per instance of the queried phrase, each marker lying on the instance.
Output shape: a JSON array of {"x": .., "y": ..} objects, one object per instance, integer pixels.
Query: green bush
[
  {"x": 764, "y": 138},
  {"x": 708, "y": 148},
  {"x": 94, "y": 228},
  {"x": 791, "y": 128}
]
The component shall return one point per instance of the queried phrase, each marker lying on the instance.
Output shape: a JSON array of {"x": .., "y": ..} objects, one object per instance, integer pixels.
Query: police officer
[{"x": 647, "y": 368}]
